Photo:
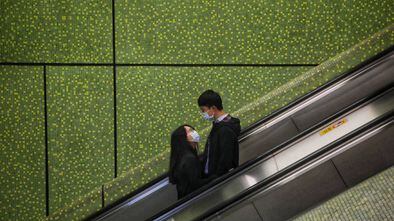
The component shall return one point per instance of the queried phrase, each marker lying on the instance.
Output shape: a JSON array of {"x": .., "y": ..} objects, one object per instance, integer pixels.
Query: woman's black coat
[{"x": 188, "y": 174}]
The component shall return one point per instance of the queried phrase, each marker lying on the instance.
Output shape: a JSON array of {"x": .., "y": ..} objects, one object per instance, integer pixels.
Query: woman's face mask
[{"x": 195, "y": 136}]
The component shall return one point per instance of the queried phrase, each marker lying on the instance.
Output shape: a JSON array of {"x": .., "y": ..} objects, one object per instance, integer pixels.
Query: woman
[{"x": 185, "y": 167}]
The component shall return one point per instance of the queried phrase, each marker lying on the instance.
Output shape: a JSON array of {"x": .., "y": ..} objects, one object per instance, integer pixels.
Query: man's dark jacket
[{"x": 223, "y": 147}]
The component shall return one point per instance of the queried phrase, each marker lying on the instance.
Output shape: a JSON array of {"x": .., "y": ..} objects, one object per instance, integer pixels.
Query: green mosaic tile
[
  {"x": 250, "y": 31},
  {"x": 80, "y": 131},
  {"x": 22, "y": 143},
  {"x": 153, "y": 101},
  {"x": 317, "y": 76},
  {"x": 370, "y": 200},
  {"x": 80, "y": 208},
  {"x": 56, "y": 31}
]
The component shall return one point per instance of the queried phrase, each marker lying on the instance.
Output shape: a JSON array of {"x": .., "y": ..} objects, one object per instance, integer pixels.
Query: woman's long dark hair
[{"x": 179, "y": 147}]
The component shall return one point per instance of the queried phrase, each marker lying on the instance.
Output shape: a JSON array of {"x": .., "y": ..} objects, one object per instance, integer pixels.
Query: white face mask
[
  {"x": 206, "y": 116},
  {"x": 195, "y": 136}
]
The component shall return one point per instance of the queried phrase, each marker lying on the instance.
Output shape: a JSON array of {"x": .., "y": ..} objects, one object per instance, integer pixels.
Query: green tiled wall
[
  {"x": 22, "y": 143},
  {"x": 253, "y": 31},
  {"x": 80, "y": 131},
  {"x": 151, "y": 101},
  {"x": 187, "y": 32},
  {"x": 56, "y": 31},
  {"x": 341, "y": 63},
  {"x": 80, "y": 208}
]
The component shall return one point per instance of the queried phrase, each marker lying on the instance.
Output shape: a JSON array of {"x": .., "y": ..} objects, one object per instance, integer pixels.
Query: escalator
[
  {"x": 264, "y": 139},
  {"x": 318, "y": 165}
]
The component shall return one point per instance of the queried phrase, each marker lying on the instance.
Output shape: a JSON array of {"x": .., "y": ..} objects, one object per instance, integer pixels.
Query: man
[{"x": 221, "y": 149}]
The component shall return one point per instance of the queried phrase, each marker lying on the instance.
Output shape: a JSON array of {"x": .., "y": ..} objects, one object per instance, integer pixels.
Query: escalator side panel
[
  {"x": 246, "y": 212},
  {"x": 252, "y": 146},
  {"x": 371, "y": 82},
  {"x": 372, "y": 156},
  {"x": 299, "y": 194},
  {"x": 353, "y": 165},
  {"x": 389, "y": 152},
  {"x": 157, "y": 202}
]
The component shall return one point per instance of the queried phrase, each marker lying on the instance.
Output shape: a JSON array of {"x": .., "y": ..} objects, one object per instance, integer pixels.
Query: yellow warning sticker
[{"x": 333, "y": 126}]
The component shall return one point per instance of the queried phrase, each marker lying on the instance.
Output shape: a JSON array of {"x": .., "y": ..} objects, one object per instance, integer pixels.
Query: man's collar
[{"x": 221, "y": 118}]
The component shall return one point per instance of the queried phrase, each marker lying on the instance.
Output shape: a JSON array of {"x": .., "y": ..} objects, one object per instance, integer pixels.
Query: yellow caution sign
[{"x": 333, "y": 126}]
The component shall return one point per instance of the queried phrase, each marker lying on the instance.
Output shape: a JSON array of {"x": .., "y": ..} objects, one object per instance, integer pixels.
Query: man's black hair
[{"x": 210, "y": 98}]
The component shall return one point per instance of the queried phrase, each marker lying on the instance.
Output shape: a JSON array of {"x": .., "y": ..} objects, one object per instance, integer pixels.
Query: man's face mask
[{"x": 206, "y": 116}]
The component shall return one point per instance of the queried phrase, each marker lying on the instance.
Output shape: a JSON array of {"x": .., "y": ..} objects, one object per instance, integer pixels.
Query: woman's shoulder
[
  {"x": 188, "y": 159},
  {"x": 190, "y": 156}
]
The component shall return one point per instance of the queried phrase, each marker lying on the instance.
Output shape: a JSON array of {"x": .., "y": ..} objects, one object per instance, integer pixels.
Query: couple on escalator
[{"x": 190, "y": 171}]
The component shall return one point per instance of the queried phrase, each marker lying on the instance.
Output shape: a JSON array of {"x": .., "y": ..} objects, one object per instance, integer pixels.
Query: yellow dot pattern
[
  {"x": 56, "y": 31},
  {"x": 317, "y": 76},
  {"x": 80, "y": 131},
  {"x": 22, "y": 143},
  {"x": 250, "y": 31},
  {"x": 79, "y": 208}
]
